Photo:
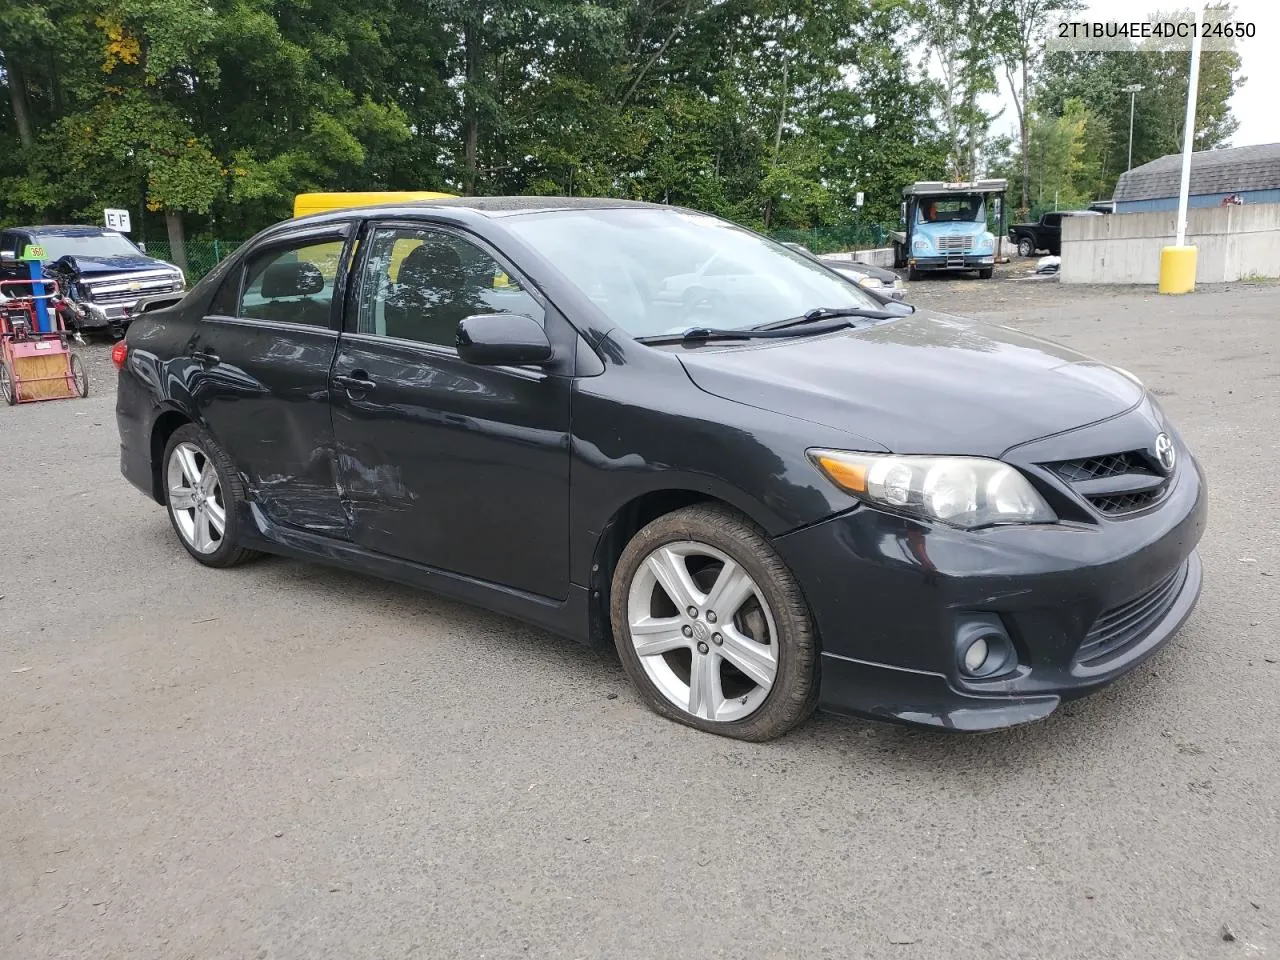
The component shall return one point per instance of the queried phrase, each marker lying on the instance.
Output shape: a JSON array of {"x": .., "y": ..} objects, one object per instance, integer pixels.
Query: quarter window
[
  {"x": 292, "y": 284},
  {"x": 420, "y": 283}
]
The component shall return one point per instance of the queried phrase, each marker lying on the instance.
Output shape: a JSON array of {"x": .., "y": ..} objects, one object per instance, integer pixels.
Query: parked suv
[
  {"x": 100, "y": 269},
  {"x": 1046, "y": 234}
]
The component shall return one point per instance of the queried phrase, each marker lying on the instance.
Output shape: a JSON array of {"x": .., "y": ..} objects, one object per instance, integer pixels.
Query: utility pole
[{"x": 1132, "y": 90}]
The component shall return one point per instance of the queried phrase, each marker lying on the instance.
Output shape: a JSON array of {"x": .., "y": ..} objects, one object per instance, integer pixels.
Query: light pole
[{"x": 1132, "y": 90}]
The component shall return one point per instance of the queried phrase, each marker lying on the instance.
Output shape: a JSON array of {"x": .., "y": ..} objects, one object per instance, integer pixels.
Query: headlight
[
  {"x": 920, "y": 245},
  {"x": 987, "y": 242},
  {"x": 965, "y": 492},
  {"x": 871, "y": 282}
]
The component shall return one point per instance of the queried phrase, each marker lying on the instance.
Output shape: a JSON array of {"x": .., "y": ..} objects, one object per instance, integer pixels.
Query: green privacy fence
[
  {"x": 202, "y": 255},
  {"x": 858, "y": 236}
]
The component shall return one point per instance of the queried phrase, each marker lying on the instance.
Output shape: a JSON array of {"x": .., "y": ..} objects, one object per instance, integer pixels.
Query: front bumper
[
  {"x": 889, "y": 594},
  {"x": 966, "y": 261}
]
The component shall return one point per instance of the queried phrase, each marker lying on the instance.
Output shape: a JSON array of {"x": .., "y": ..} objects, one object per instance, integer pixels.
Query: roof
[
  {"x": 938, "y": 186},
  {"x": 1212, "y": 171},
  {"x": 499, "y": 206}
]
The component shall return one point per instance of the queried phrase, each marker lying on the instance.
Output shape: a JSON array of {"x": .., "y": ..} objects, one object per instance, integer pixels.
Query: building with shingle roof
[{"x": 1250, "y": 173}]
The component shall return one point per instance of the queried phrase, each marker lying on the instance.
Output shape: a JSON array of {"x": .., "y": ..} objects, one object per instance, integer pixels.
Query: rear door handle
[
  {"x": 204, "y": 357},
  {"x": 357, "y": 382}
]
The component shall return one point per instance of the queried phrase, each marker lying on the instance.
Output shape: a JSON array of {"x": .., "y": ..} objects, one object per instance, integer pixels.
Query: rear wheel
[
  {"x": 7, "y": 389},
  {"x": 712, "y": 628},
  {"x": 203, "y": 494},
  {"x": 80, "y": 376},
  {"x": 1026, "y": 247}
]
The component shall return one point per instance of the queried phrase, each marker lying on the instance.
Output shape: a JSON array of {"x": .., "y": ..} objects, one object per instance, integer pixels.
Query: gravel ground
[{"x": 286, "y": 761}]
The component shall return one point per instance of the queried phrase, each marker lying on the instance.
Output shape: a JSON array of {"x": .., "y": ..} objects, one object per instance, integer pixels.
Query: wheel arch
[
  {"x": 625, "y": 523},
  {"x": 162, "y": 429}
]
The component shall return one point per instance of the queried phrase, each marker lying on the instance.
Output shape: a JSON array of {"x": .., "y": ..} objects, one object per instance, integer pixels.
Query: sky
[{"x": 1254, "y": 103}]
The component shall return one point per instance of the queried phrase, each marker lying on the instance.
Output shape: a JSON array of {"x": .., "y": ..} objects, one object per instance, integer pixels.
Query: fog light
[
  {"x": 983, "y": 648},
  {"x": 976, "y": 656}
]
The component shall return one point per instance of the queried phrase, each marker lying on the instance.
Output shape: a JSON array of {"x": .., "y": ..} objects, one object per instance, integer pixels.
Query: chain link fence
[
  {"x": 202, "y": 255},
  {"x": 205, "y": 254},
  {"x": 859, "y": 236}
]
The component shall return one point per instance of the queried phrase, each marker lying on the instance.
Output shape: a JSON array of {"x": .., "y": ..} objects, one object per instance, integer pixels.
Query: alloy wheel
[
  {"x": 703, "y": 631},
  {"x": 195, "y": 497}
]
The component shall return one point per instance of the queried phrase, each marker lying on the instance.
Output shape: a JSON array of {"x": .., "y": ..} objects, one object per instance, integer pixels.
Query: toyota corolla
[{"x": 646, "y": 427}]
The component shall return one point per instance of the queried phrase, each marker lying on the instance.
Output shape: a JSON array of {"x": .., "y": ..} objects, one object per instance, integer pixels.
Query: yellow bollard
[{"x": 1177, "y": 269}]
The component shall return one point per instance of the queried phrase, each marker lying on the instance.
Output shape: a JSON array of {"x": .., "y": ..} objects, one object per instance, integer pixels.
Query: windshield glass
[
  {"x": 945, "y": 209},
  {"x": 56, "y": 245},
  {"x": 660, "y": 271}
]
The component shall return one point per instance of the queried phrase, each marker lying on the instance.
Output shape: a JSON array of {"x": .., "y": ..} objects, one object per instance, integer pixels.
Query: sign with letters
[{"x": 118, "y": 220}]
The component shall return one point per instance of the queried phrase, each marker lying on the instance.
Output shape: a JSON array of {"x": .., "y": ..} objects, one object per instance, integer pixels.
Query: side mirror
[{"x": 503, "y": 340}]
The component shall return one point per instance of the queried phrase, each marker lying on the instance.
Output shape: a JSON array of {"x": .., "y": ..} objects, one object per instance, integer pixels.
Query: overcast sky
[{"x": 1254, "y": 104}]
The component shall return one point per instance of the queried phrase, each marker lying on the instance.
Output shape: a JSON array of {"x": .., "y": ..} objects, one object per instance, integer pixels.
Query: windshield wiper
[
  {"x": 818, "y": 314},
  {"x": 702, "y": 334}
]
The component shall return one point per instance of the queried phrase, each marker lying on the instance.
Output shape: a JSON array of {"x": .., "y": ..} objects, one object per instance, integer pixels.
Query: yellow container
[
  {"x": 1177, "y": 269},
  {"x": 305, "y": 203}
]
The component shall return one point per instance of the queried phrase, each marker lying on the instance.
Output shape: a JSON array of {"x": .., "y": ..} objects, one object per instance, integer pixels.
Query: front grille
[
  {"x": 1098, "y": 468},
  {"x": 957, "y": 243},
  {"x": 1126, "y": 502},
  {"x": 1129, "y": 622},
  {"x": 128, "y": 296},
  {"x": 1114, "y": 483}
]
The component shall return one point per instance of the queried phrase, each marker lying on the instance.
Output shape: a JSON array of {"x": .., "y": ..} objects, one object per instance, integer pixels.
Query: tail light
[{"x": 119, "y": 351}]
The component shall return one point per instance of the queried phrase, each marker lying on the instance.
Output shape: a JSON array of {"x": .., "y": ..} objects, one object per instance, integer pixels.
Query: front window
[
  {"x": 949, "y": 209},
  {"x": 92, "y": 246},
  {"x": 663, "y": 271}
]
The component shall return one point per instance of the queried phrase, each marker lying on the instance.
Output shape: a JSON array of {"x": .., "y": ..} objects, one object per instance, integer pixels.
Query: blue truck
[
  {"x": 944, "y": 227},
  {"x": 102, "y": 271}
]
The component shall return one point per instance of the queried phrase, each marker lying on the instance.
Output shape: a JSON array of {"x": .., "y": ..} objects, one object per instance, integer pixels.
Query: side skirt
[{"x": 567, "y": 618}]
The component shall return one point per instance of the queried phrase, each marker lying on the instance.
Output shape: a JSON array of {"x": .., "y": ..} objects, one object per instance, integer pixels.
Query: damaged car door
[
  {"x": 461, "y": 467},
  {"x": 257, "y": 371}
]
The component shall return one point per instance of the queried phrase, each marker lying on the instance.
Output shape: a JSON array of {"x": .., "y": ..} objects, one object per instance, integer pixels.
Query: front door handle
[
  {"x": 357, "y": 382},
  {"x": 204, "y": 357}
]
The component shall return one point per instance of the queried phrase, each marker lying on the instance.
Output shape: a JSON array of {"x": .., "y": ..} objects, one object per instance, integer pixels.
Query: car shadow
[{"x": 1077, "y": 727}]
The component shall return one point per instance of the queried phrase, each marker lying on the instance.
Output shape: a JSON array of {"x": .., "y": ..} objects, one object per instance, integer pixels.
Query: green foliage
[{"x": 775, "y": 113}]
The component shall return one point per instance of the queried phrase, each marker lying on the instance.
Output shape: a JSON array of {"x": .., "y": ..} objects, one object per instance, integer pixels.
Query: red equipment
[{"x": 36, "y": 365}]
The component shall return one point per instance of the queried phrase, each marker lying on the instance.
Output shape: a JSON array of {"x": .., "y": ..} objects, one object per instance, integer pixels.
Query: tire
[
  {"x": 80, "y": 376},
  {"x": 1026, "y": 247},
  {"x": 769, "y": 629},
  {"x": 985, "y": 274},
  {"x": 899, "y": 256},
  {"x": 913, "y": 273},
  {"x": 196, "y": 526},
  {"x": 7, "y": 389}
]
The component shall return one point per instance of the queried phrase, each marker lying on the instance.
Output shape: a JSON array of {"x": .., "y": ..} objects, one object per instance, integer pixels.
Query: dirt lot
[{"x": 284, "y": 761}]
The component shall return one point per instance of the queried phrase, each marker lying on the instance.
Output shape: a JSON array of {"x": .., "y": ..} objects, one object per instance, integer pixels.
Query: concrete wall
[
  {"x": 1195, "y": 200},
  {"x": 1232, "y": 242},
  {"x": 879, "y": 257}
]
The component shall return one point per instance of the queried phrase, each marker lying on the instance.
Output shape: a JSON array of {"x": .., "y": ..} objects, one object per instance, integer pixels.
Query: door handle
[
  {"x": 203, "y": 357},
  {"x": 357, "y": 382}
]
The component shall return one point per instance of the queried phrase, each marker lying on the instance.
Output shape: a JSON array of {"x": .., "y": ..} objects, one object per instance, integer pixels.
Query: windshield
[
  {"x": 58, "y": 245},
  {"x": 660, "y": 271},
  {"x": 946, "y": 209}
]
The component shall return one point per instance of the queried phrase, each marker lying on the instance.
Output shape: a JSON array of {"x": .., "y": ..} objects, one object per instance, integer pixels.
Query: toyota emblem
[{"x": 1165, "y": 453}]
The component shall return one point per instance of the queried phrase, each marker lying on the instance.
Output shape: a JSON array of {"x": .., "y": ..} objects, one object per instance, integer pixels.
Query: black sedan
[{"x": 647, "y": 427}]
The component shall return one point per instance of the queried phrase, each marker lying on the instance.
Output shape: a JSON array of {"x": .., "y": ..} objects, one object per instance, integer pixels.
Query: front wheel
[
  {"x": 985, "y": 274},
  {"x": 203, "y": 494},
  {"x": 712, "y": 628},
  {"x": 1026, "y": 247}
]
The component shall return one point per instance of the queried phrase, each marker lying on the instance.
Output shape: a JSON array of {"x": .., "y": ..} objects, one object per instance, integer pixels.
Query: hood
[
  {"x": 927, "y": 383},
  {"x": 119, "y": 264}
]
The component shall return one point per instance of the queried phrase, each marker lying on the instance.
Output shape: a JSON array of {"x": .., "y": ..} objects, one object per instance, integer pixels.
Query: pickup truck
[
  {"x": 98, "y": 269},
  {"x": 1046, "y": 234}
]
